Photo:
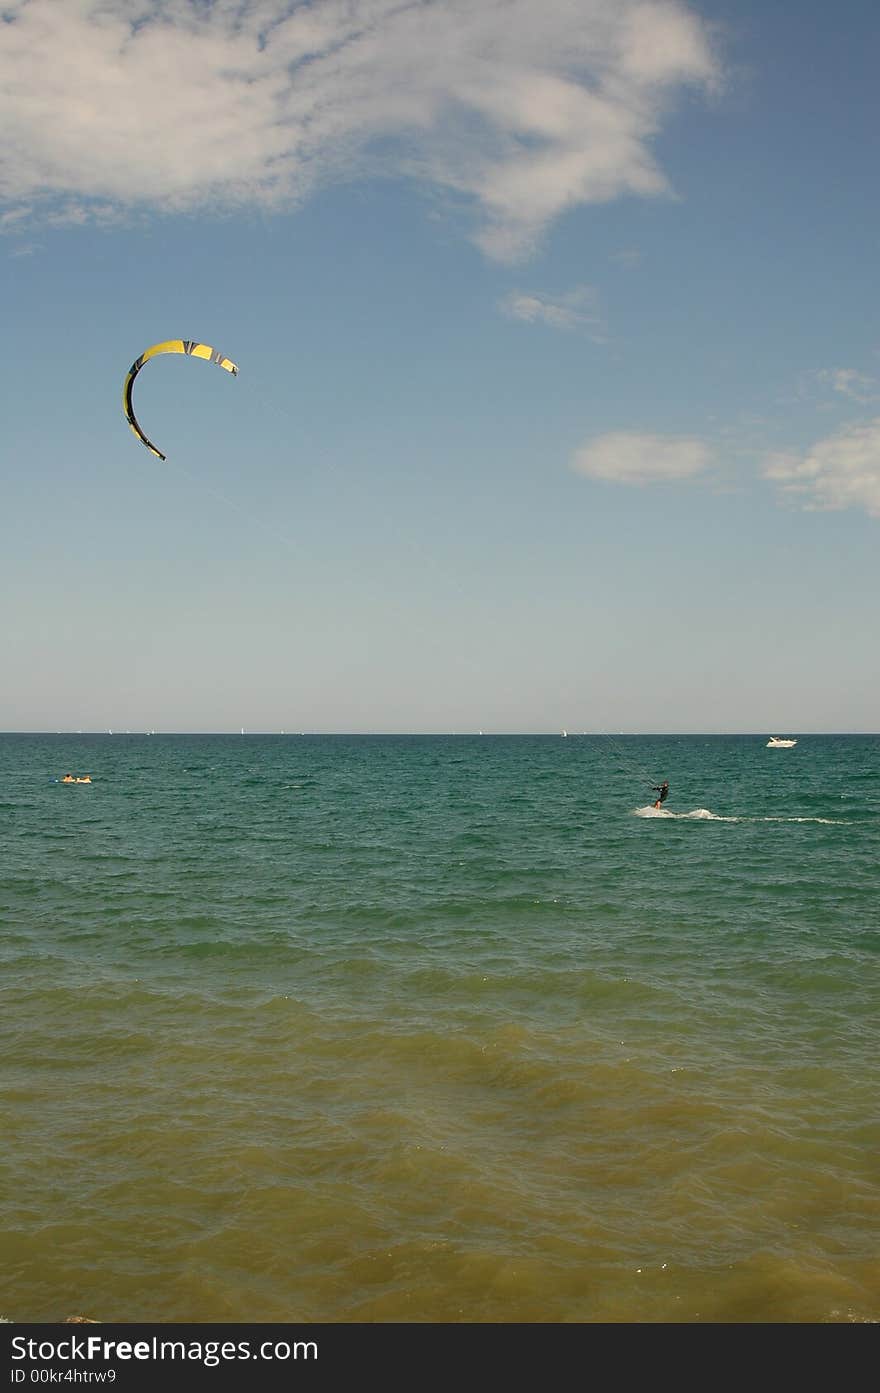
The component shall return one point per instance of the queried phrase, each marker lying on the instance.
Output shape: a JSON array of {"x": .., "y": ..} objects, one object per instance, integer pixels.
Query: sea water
[{"x": 439, "y": 1029}]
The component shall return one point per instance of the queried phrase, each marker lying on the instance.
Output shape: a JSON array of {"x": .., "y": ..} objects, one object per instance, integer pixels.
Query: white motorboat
[{"x": 774, "y": 743}]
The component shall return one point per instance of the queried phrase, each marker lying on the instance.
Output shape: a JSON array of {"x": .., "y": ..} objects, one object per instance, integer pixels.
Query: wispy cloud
[
  {"x": 14, "y": 217},
  {"x": 824, "y": 387},
  {"x": 522, "y": 110},
  {"x": 848, "y": 382},
  {"x": 627, "y": 457},
  {"x": 628, "y": 258},
  {"x": 572, "y": 310},
  {"x": 841, "y": 471}
]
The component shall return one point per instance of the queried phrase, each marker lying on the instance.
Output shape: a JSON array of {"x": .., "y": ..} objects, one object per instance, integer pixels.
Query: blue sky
[{"x": 559, "y": 390}]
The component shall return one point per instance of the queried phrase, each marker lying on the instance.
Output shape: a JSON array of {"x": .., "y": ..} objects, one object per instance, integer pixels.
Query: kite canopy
[{"x": 187, "y": 346}]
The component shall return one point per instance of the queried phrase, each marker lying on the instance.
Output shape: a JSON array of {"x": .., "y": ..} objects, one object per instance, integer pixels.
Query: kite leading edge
[{"x": 186, "y": 346}]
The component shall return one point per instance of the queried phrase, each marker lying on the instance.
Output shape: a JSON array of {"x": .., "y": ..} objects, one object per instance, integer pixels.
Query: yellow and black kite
[{"x": 187, "y": 346}]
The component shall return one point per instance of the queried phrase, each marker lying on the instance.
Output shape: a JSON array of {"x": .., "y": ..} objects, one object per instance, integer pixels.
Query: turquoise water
[{"x": 301, "y": 1028}]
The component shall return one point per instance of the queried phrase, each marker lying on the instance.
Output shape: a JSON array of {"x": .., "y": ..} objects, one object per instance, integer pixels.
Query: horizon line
[{"x": 486, "y": 734}]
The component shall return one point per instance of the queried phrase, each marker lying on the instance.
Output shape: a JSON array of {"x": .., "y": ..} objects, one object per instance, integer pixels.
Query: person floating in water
[{"x": 663, "y": 790}]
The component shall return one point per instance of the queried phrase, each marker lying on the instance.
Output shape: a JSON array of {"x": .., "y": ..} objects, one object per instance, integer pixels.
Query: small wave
[{"x": 704, "y": 815}]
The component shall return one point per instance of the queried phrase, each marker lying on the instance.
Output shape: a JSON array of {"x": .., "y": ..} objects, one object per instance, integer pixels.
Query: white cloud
[
  {"x": 522, "y": 109},
  {"x": 842, "y": 471},
  {"x": 627, "y": 457},
  {"x": 572, "y": 310}
]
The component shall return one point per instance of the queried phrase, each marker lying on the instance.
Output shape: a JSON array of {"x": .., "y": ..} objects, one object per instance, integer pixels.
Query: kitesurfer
[{"x": 663, "y": 790}]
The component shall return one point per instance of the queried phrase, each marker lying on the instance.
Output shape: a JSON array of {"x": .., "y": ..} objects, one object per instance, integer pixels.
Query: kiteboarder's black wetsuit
[{"x": 663, "y": 790}]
